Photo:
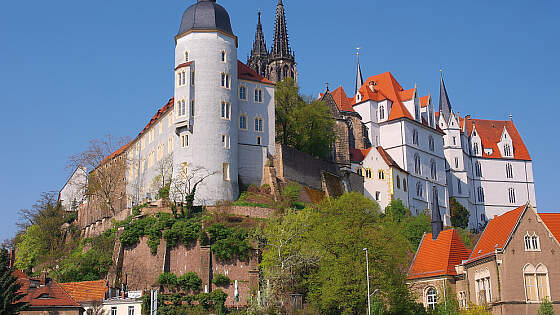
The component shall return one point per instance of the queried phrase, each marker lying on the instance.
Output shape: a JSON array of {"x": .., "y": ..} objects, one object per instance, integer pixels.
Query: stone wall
[{"x": 243, "y": 211}]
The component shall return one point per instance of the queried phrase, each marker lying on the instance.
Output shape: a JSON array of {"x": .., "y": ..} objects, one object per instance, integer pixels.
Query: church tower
[
  {"x": 258, "y": 60},
  {"x": 282, "y": 61}
]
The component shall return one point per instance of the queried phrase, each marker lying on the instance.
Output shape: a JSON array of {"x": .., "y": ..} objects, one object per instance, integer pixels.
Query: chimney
[
  {"x": 43, "y": 278},
  {"x": 372, "y": 86}
]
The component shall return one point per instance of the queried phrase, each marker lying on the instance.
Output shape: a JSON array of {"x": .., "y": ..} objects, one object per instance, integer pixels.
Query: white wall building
[
  {"x": 489, "y": 169},
  {"x": 220, "y": 122},
  {"x": 73, "y": 193}
]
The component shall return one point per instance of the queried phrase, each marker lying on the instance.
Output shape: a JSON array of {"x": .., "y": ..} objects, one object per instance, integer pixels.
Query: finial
[
  {"x": 511, "y": 117},
  {"x": 358, "y": 52},
  {"x": 327, "y": 83}
]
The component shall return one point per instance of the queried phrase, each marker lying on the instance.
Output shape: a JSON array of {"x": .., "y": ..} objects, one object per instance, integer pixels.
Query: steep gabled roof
[
  {"x": 496, "y": 234},
  {"x": 358, "y": 155},
  {"x": 87, "y": 291},
  {"x": 47, "y": 294},
  {"x": 388, "y": 159},
  {"x": 341, "y": 99},
  {"x": 552, "y": 221},
  {"x": 438, "y": 257},
  {"x": 490, "y": 132},
  {"x": 244, "y": 72},
  {"x": 425, "y": 100}
]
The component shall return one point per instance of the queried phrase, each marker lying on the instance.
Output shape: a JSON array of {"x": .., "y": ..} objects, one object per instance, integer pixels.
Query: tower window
[
  {"x": 456, "y": 163},
  {"x": 223, "y": 56},
  {"x": 459, "y": 186},
  {"x": 192, "y": 78},
  {"x": 259, "y": 140},
  {"x": 181, "y": 78},
  {"x": 225, "y": 82},
  {"x": 431, "y": 143},
  {"x": 258, "y": 96},
  {"x": 415, "y": 137},
  {"x": 417, "y": 165},
  {"x": 509, "y": 170},
  {"x": 480, "y": 194},
  {"x": 433, "y": 169},
  {"x": 478, "y": 169},
  {"x": 181, "y": 108},
  {"x": 243, "y": 122},
  {"x": 259, "y": 124},
  {"x": 226, "y": 110},
  {"x": 226, "y": 141},
  {"x": 192, "y": 108},
  {"x": 419, "y": 190},
  {"x": 186, "y": 56},
  {"x": 226, "y": 171},
  {"x": 184, "y": 141},
  {"x": 511, "y": 194}
]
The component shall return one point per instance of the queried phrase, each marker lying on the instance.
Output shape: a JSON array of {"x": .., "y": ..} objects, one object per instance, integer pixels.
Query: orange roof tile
[
  {"x": 407, "y": 95},
  {"x": 438, "y": 257},
  {"x": 399, "y": 111},
  {"x": 552, "y": 221},
  {"x": 341, "y": 99},
  {"x": 490, "y": 132},
  {"x": 86, "y": 291},
  {"x": 496, "y": 234},
  {"x": 358, "y": 155},
  {"x": 425, "y": 100},
  {"x": 47, "y": 294},
  {"x": 246, "y": 73}
]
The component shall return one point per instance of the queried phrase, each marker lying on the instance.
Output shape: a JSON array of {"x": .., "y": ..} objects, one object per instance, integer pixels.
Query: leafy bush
[
  {"x": 243, "y": 203},
  {"x": 182, "y": 231},
  {"x": 137, "y": 210},
  {"x": 213, "y": 300},
  {"x": 291, "y": 192},
  {"x": 167, "y": 279},
  {"x": 189, "y": 281},
  {"x": 221, "y": 280},
  {"x": 459, "y": 214},
  {"x": 149, "y": 226},
  {"x": 227, "y": 242},
  {"x": 546, "y": 307}
]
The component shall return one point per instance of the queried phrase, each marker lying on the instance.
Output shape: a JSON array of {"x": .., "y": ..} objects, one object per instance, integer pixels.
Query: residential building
[
  {"x": 96, "y": 295},
  {"x": 513, "y": 267}
]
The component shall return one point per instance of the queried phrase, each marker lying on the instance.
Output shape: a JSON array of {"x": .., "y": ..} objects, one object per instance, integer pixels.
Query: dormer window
[
  {"x": 381, "y": 112},
  {"x": 358, "y": 97},
  {"x": 476, "y": 148},
  {"x": 532, "y": 242},
  {"x": 507, "y": 150}
]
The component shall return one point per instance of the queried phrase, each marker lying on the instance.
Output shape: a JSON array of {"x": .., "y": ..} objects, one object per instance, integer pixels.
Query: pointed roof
[
  {"x": 437, "y": 223},
  {"x": 281, "y": 44},
  {"x": 496, "y": 234},
  {"x": 552, "y": 221},
  {"x": 425, "y": 100},
  {"x": 438, "y": 257},
  {"x": 259, "y": 45},
  {"x": 490, "y": 133},
  {"x": 359, "y": 77},
  {"x": 47, "y": 294},
  {"x": 444, "y": 103},
  {"x": 342, "y": 101},
  {"x": 358, "y": 155}
]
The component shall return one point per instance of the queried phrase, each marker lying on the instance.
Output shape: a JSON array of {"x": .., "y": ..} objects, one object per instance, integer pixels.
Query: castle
[{"x": 218, "y": 130}]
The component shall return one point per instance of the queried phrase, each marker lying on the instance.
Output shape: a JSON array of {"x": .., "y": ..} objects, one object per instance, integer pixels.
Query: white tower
[{"x": 206, "y": 102}]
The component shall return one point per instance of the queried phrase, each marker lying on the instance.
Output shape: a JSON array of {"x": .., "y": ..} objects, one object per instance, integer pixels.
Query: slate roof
[
  {"x": 438, "y": 257},
  {"x": 47, "y": 294},
  {"x": 87, "y": 291},
  {"x": 206, "y": 15}
]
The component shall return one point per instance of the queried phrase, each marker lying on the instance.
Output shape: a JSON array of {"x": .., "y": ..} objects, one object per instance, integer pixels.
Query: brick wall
[{"x": 244, "y": 211}]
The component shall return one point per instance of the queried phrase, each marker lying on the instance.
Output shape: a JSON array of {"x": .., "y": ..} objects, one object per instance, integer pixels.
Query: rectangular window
[
  {"x": 192, "y": 78},
  {"x": 181, "y": 108},
  {"x": 184, "y": 141},
  {"x": 226, "y": 110},
  {"x": 531, "y": 287},
  {"x": 192, "y": 108},
  {"x": 243, "y": 93},
  {"x": 225, "y": 82},
  {"x": 259, "y": 141},
  {"x": 377, "y": 195},
  {"x": 226, "y": 141},
  {"x": 258, "y": 96},
  {"x": 113, "y": 311},
  {"x": 131, "y": 310},
  {"x": 226, "y": 171}
]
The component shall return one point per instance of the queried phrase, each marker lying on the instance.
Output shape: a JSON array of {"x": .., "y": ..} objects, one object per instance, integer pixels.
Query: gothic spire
[
  {"x": 444, "y": 104},
  {"x": 281, "y": 44},
  {"x": 437, "y": 223},
  {"x": 259, "y": 46},
  {"x": 359, "y": 77}
]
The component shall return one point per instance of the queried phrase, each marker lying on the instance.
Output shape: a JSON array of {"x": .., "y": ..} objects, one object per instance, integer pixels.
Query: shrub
[
  {"x": 189, "y": 281},
  {"x": 221, "y": 280},
  {"x": 227, "y": 242},
  {"x": 546, "y": 308},
  {"x": 182, "y": 231},
  {"x": 265, "y": 189},
  {"x": 137, "y": 210},
  {"x": 253, "y": 188},
  {"x": 167, "y": 279}
]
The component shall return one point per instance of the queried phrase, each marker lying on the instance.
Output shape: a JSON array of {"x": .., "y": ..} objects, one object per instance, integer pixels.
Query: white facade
[
  {"x": 73, "y": 193},
  {"x": 220, "y": 123}
]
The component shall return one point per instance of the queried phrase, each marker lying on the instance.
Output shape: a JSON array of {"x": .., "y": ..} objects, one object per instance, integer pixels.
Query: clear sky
[{"x": 71, "y": 71}]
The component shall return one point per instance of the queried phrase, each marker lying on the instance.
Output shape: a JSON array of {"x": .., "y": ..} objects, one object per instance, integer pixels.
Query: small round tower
[{"x": 206, "y": 102}]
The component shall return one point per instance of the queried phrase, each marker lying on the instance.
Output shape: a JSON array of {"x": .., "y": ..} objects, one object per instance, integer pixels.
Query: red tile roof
[
  {"x": 552, "y": 221},
  {"x": 86, "y": 291},
  {"x": 438, "y": 257},
  {"x": 407, "y": 95},
  {"x": 45, "y": 295},
  {"x": 496, "y": 234},
  {"x": 246, "y": 73},
  {"x": 425, "y": 100},
  {"x": 183, "y": 65},
  {"x": 341, "y": 99},
  {"x": 358, "y": 155},
  {"x": 490, "y": 132}
]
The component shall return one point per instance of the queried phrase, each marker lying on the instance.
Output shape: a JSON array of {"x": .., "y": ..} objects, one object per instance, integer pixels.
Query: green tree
[
  {"x": 448, "y": 304},
  {"x": 9, "y": 288},
  {"x": 305, "y": 125},
  {"x": 459, "y": 214},
  {"x": 546, "y": 307},
  {"x": 31, "y": 247}
]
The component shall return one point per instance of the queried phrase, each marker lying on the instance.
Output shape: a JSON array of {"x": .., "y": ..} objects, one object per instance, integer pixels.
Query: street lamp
[{"x": 367, "y": 276}]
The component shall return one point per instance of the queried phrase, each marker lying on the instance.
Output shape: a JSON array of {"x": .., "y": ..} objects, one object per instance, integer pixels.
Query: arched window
[
  {"x": 381, "y": 174},
  {"x": 475, "y": 148},
  {"x": 186, "y": 56},
  {"x": 404, "y": 184},
  {"x": 381, "y": 112},
  {"x": 433, "y": 169},
  {"x": 359, "y": 171},
  {"x": 483, "y": 286},
  {"x": 243, "y": 122},
  {"x": 430, "y": 119},
  {"x": 509, "y": 170},
  {"x": 431, "y": 298},
  {"x": 537, "y": 287},
  {"x": 368, "y": 173},
  {"x": 507, "y": 150},
  {"x": 223, "y": 56},
  {"x": 511, "y": 194},
  {"x": 419, "y": 190},
  {"x": 480, "y": 194},
  {"x": 431, "y": 143},
  {"x": 415, "y": 136},
  {"x": 398, "y": 182},
  {"x": 478, "y": 169},
  {"x": 243, "y": 92},
  {"x": 459, "y": 186},
  {"x": 417, "y": 166},
  {"x": 285, "y": 72},
  {"x": 259, "y": 124},
  {"x": 532, "y": 242}
]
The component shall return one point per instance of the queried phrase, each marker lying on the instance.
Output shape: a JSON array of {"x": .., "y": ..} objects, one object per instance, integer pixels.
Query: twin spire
[{"x": 444, "y": 103}]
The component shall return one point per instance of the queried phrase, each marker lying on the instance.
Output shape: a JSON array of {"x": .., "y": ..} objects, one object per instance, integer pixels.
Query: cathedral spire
[
  {"x": 359, "y": 77},
  {"x": 437, "y": 223},
  {"x": 281, "y": 44},
  {"x": 444, "y": 104},
  {"x": 258, "y": 60}
]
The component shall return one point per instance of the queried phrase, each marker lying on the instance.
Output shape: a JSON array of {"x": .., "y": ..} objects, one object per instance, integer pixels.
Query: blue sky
[{"x": 71, "y": 71}]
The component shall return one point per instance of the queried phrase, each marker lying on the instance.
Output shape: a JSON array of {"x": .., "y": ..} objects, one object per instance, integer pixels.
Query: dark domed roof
[{"x": 206, "y": 15}]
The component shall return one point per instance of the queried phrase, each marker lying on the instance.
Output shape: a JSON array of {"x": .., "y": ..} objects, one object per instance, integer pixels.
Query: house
[
  {"x": 96, "y": 294},
  {"x": 513, "y": 267},
  {"x": 46, "y": 296}
]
